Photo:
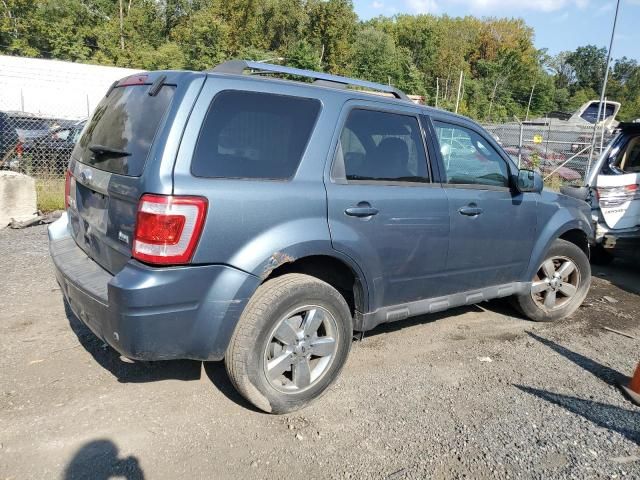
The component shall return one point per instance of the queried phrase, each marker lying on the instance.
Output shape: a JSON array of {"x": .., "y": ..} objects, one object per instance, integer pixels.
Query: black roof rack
[{"x": 239, "y": 66}]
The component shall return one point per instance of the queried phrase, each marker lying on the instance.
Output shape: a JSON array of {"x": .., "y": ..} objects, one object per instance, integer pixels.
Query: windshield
[
  {"x": 126, "y": 121},
  {"x": 591, "y": 112}
]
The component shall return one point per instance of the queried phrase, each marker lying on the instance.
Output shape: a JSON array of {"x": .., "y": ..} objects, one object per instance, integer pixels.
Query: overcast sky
[{"x": 559, "y": 24}]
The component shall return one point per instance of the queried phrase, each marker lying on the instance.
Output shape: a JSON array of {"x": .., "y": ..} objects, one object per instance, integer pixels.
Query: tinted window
[
  {"x": 630, "y": 161},
  {"x": 382, "y": 146},
  {"x": 468, "y": 158},
  {"x": 591, "y": 112},
  {"x": 126, "y": 121},
  {"x": 254, "y": 135}
]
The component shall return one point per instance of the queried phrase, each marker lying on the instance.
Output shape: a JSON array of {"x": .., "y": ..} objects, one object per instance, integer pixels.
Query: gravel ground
[{"x": 417, "y": 399}]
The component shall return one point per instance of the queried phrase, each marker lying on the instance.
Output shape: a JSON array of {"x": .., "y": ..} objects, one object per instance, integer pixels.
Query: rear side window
[
  {"x": 627, "y": 158},
  {"x": 254, "y": 135},
  {"x": 120, "y": 133},
  {"x": 382, "y": 147}
]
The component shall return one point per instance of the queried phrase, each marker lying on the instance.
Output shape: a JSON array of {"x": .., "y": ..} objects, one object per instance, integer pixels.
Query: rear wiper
[{"x": 101, "y": 150}]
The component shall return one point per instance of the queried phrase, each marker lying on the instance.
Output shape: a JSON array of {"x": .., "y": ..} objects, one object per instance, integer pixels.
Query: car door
[
  {"x": 492, "y": 227},
  {"x": 384, "y": 210}
]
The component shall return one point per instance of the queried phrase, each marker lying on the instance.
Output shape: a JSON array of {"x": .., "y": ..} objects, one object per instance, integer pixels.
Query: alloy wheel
[
  {"x": 301, "y": 349},
  {"x": 555, "y": 283}
]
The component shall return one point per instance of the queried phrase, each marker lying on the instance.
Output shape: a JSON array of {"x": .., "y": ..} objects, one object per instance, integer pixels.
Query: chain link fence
[
  {"x": 40, "y": 147},
  {"x": 43, "y": 106},
  {"x": 560, "y": 153}
]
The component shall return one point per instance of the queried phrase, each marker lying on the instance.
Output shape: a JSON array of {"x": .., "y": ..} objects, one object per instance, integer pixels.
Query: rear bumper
[
  {"x": 627, "y": 239},
  {"x": 148, "y": 313}
]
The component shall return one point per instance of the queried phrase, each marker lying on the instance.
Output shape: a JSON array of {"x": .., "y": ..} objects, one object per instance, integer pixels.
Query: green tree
[
  {"x": 203, "y": 37},
  {"x": 332, "y": 26},
  {"x": 302, "y": 54},
  {"x": 589, "y": 64}
]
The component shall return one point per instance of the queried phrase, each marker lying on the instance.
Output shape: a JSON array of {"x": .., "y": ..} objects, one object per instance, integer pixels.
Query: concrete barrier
[{"x": 17, "y": 198}]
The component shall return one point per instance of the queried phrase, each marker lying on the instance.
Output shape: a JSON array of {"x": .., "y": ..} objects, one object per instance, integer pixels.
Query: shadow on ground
[
  {"x": 143, "y": 372},
  {"x": 217, "y": 373},
  {"x": 620, "y": 420},
  {"x": 137, "y": 372},
  {"x": 98, "y": 460},
  {"x": 604, "y": 373},
  {"x": 624, "y": 273}
]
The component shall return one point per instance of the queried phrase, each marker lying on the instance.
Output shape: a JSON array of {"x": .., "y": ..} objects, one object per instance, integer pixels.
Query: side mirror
[{"x": 529, "y": 181}]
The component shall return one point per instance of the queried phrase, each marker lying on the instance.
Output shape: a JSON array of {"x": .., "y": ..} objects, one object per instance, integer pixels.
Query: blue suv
[{"x": 232, "y": 215}]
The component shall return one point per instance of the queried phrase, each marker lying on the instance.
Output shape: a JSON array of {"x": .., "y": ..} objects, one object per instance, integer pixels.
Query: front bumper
[{"x": 147, "y": 313}]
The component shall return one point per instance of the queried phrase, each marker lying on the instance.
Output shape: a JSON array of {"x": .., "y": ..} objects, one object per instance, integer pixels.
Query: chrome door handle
[
  {"x": 470, "y": 211},
  {"x": 361, "y": 211}
]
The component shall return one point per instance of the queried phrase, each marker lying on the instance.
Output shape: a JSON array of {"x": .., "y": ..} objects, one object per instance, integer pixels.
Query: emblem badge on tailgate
[
  {"x": 123, "y": 237},
  {"x": 86, "y": 176}
]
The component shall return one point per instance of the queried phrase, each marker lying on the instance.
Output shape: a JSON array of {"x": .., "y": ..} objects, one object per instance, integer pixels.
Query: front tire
[
  {"x": 559, "y": 286},
  {"x": 290, "y": 344}
]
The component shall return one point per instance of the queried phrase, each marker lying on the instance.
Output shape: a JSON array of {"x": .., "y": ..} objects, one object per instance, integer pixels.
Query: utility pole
[
  {"x": 459, "y": 89},
  {"x": 526, "y": 117},
  {"x": 604, "y": 90},
  {"x": 437, "y": 90},
  {"x": 493, "y": 95},
  {"x": 121, "y": 27}
]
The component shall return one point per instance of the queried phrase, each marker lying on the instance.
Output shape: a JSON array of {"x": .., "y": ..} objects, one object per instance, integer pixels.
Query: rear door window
[
  {"x": 382, "y": 147},
  {"x": 254, "y": 135},
  {"x": 126, "y": 121}
]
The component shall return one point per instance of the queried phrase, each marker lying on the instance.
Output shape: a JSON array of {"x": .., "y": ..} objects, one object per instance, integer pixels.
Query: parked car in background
[
  {"x": 8, "y": 135},
  {"x": 17, "y": 131},
  {"x": 613, "y": 190},
  {"x": 52, "y": 150},
  {"x": 219, "y": 215},
  {"x": 31, "y": 144}
]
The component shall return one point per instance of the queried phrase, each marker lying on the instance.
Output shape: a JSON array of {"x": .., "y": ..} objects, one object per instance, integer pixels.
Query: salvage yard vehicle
[
  {"x": 17, "y": 131},
  {"x": 613, "y": 191},
  {"x": 51, "y": 151},
  {"x": 232, "y": 215}
]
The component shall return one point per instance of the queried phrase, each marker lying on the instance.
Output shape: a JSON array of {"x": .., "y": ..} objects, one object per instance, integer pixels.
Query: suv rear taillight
[{"x": 168, "y": 228}]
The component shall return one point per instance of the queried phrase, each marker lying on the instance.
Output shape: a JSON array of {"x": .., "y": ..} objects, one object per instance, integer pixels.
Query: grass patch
[{"x": 50, "y": 194}]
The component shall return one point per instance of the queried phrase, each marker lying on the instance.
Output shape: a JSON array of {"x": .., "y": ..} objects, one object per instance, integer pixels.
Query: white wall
[{"x": 52, "y": 88}]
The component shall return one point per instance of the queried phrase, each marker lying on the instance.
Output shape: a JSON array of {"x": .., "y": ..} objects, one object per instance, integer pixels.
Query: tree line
[{"x": 504, "y": 75}]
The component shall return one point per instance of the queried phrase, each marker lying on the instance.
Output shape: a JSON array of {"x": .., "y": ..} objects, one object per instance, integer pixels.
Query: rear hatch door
[
  {"x": 618, "y": 182},
  {"x": 619, "y": 198},
  {"x": 120, "y": 156}
]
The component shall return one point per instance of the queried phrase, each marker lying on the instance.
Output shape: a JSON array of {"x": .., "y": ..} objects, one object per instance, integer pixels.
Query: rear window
[
  {"x": 126, "y": 121},
  {"x": 254, "y": 135}
]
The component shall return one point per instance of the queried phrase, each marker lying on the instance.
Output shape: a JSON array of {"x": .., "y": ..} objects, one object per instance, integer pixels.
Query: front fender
[{"x": 563, "y": 220}]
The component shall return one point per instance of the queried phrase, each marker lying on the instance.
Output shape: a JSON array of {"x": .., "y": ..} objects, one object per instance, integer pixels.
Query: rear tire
[
  {"x": 290, "y": 344},
  {"x": 559, "y": 286}
]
